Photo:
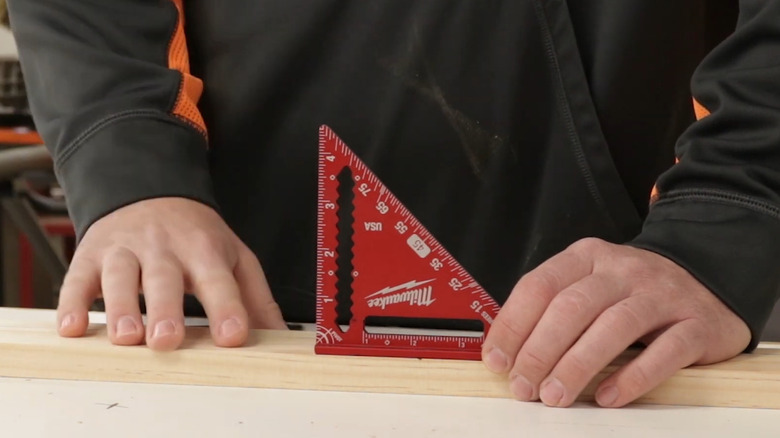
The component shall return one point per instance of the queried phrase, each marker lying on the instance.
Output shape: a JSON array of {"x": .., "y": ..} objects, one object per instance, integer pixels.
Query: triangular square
[{"x": 369, "y": 242}]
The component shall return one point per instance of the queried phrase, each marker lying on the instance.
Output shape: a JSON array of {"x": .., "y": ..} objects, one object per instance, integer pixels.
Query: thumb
[{"x": 264, "y": 312}]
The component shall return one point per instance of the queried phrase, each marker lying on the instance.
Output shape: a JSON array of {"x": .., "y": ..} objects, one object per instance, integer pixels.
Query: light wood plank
[{"x": 286, "y": 360}]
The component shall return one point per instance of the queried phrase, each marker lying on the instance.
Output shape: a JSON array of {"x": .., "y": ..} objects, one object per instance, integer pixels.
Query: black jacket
[{"x": 510, "y": 128}]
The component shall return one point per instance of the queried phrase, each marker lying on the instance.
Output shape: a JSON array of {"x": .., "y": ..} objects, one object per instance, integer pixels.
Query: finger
[
  {"x": 610, "y": 334},
  {"x": 120, "y": 282},
  {"x": 678, "y": 347},
  {"x": 215, "y": 285},
  {"x": 567, "y": 317},
  {"x": 263, "y": 310},
  {"x": 526, "y": 304},
  {"x": 162, "y": 280},
  {"x": 79, "y": 288}
]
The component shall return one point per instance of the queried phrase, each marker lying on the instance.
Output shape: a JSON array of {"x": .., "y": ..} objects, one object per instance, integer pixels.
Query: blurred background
[{"x": 36, "y": 235}]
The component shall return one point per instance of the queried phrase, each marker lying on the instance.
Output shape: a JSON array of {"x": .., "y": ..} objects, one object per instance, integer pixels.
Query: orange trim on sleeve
[
  {"x": 655, "y": 192},
  {"x": 701, "y": 112},
  {"x": 191, "y": 87},
  {"x": 699, "y": 109}
]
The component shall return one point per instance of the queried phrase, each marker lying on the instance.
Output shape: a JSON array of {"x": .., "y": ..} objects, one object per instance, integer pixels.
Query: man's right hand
[{"x": 164, "y": 248}]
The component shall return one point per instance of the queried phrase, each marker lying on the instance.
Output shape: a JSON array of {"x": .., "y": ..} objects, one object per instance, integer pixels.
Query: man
[{"x": 525, "y": 135}]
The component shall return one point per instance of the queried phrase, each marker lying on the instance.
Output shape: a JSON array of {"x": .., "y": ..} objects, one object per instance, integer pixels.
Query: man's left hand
[{"x": 568, "y": 319}]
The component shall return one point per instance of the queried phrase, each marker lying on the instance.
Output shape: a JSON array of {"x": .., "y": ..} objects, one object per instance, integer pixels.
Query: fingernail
[
  {"x": 607, "y": 396},
  {"x": 126, "y": 326},
  {"x": 164, "y": 328},
  {"x": 229, "y": 327},
  {"x": 67, "y": 321},
  {"x": 551, "y": 392},
  {"x": 521, "y": 388},
  {"x": 496, "y": 361}
]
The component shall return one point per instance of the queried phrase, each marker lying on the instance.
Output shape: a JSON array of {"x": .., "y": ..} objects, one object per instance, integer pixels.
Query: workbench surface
[{"x": 58, "y": 408}]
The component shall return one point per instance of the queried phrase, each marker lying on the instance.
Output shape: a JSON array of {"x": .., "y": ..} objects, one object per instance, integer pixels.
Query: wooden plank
[{"x": 276, "y": 359}]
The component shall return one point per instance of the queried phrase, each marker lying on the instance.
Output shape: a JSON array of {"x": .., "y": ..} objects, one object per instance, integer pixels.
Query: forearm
[
  {"x": 112, "y": 97},
  {"x": 717, "y": 212}
]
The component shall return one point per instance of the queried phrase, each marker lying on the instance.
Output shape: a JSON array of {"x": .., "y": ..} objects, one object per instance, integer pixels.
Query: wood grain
[{"x": 276, "y": 359}]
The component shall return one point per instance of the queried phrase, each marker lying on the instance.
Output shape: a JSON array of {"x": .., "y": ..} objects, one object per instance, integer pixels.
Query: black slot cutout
[
  {"x": 346, "y": 208},
  {"x": 471, "y": 328}
]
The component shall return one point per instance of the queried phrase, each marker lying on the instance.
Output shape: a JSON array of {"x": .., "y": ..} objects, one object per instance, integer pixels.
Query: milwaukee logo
[{"x": 409, "y": 293}]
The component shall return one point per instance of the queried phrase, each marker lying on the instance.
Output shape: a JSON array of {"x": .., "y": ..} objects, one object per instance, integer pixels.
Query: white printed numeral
[
  {"x": 455, "y": 284},
  {"x": 418, "y": 246},
  {"x": 382, "y": 207},
  {"x": 436, "y": 264},
  {"x": 401, "y": 227}
]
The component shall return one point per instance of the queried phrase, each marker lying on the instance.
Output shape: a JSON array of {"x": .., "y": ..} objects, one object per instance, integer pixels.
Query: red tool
[{"x": 376, "y": 261}]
